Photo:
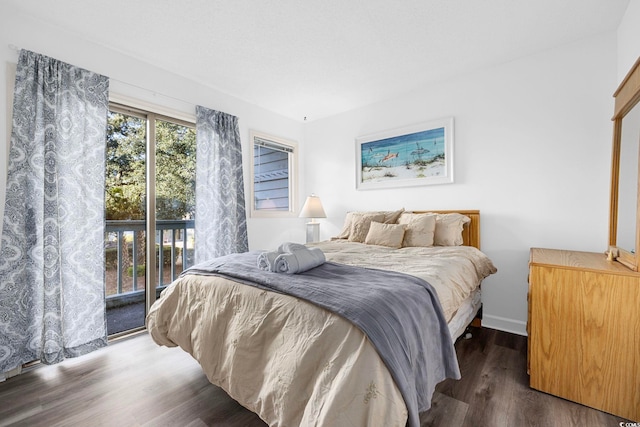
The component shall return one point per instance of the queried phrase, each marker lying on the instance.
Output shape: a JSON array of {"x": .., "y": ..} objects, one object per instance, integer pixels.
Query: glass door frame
[{"x": 151, "y": 271}]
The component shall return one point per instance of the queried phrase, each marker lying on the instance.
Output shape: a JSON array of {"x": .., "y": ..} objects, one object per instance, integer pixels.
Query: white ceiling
[{"x": 313, "y": 59}]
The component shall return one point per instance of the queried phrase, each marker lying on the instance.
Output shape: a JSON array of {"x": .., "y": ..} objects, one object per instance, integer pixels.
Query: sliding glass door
[
  {"x": 126, "y": 213},
  {"x": 150, "y": 205},
  {"x": 175, "y": 188}
]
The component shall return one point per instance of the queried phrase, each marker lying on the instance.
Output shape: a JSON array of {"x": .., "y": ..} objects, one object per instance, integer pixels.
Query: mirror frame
[{"x": 626, "y": 97}]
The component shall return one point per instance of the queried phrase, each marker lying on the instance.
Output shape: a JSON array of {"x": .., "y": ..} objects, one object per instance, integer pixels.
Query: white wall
[
  {"x": 532, "y": 152},
  {"x": 143, "y": 81},
  {"x": 628, "y": 39},
  {"x": 532, "y": 145}
]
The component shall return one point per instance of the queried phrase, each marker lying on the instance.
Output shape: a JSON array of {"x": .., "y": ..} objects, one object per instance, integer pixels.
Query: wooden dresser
[{"x": 584, "y": 330}]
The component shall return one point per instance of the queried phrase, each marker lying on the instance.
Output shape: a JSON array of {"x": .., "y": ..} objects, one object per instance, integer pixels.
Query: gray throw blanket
[{"x": 399, "y": 313}]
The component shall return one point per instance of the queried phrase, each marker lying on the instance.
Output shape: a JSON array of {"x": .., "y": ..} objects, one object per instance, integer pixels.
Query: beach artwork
[{"x": 418, "y": 155}]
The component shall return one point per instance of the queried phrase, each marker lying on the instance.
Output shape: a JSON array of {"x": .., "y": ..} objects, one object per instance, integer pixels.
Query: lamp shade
[{"x": 312, "y": 208}]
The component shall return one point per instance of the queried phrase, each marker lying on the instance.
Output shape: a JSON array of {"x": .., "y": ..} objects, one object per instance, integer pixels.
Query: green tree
[
  {"x": 126, "y": 173},
  {"x": 126, "y": 169},
  {"x": 175, "y": 171}
]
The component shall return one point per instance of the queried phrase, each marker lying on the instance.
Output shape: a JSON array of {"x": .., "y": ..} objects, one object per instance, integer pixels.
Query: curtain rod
[{"x": 152, "y": 92}]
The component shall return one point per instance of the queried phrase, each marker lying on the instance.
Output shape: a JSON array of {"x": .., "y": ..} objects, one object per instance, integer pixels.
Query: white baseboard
[
  {"x": 12, "y": 373},
  {"x": 517, "y": 327}
]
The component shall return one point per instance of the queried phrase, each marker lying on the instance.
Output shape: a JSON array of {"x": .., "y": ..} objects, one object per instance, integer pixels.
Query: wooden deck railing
[{"x": 124, "y": 244}]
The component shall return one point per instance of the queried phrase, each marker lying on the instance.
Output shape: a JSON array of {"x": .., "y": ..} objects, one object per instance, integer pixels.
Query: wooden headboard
[{"x": 471, "y": 231}]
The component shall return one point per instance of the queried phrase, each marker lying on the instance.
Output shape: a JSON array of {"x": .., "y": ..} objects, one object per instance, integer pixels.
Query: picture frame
[{"x": 420, "y": 154}]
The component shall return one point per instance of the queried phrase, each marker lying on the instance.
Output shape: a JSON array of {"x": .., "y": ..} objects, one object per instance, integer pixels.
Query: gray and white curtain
[
  {"x": 221, "y": 221},
  {"x": 52, "y": 250}
]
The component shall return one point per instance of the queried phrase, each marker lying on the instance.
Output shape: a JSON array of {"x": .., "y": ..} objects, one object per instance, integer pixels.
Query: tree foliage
[
  {"x": 126, "y": 169},
  {"x": 175, "y": 171}
]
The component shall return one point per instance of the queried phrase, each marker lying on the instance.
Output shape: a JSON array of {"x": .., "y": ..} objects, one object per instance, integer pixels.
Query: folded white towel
[
  {"x": 267, "y": 261},
  {"x": 299, "y": 260},
  {"x": 288, "y": 247}
]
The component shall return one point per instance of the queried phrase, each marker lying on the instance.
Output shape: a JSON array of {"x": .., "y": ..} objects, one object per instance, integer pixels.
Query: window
[{"x": 273, "y": 176}]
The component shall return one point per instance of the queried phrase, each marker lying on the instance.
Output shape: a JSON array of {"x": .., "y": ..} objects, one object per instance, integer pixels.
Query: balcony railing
[{"x": 125, "y": 251}]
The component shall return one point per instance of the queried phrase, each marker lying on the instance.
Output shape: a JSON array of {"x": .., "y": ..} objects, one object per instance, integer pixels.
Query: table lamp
[{"x": 312, "y": 208}]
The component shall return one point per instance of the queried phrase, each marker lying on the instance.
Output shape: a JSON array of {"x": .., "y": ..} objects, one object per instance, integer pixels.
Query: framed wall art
[{"x": 421, "y": 154}]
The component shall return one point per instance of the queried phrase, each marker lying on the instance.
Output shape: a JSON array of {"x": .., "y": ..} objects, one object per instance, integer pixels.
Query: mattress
[{"x": 465, "y": 314}]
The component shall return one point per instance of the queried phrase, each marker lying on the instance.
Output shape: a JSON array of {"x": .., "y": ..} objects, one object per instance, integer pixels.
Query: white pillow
[
  {"x": 449, "y": 229},
  {"x": 385, "y": 235},
  {"x": 390, "y": 217},
  {"x": 420, "y": 229},
  {"x": 360, "y": 223}
]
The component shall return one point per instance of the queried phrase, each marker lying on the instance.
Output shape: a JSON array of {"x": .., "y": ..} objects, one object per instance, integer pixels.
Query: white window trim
[
  {"x": 293, "y": 178},
  {"x": 126, "y": 101}
]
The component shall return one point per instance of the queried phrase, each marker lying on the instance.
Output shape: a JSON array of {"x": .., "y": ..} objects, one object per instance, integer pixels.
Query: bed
[{"x": 294, "y": 362}]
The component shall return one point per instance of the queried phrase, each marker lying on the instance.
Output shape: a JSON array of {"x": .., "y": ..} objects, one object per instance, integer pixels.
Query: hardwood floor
[
  {"x": 133, "y": 382},
  {"x": 494, "y": 390}
]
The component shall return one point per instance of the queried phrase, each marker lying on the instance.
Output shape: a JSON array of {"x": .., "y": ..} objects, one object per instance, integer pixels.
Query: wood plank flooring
[{"x": 133, "y": 382}]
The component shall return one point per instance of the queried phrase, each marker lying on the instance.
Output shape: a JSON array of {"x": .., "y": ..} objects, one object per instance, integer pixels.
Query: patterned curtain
[
  {"x": 52, "y": 248},
  {"x": 221, "y": 221}
]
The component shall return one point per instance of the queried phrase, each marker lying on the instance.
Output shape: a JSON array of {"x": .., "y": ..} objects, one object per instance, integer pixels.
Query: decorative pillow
[
  {"x": 385, "y": 235},
  {"x": 360, "y": 223},
  {"x": 346, "y": 228},
  {"x": 420, "y": 229},
  {"x": 390, "y": 217},
  {"x": 449, "y": 229}
]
